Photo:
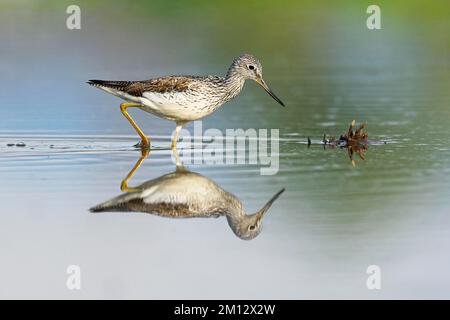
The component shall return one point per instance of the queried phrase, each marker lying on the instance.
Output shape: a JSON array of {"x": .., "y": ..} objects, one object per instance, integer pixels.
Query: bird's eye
[
  {"x": 251, "y": 67},
  {"x": 251, "y": 228}
]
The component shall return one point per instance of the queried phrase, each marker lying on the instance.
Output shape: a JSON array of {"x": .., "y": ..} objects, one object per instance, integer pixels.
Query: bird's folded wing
[{"x": 159, "y": 85}]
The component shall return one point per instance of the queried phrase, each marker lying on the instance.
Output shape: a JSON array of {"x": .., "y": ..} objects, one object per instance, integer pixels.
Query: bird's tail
[
  {"x": 99, "y": 208},
  {"x": 115, "y": 204},
  {"x": 117, "y": 85},
  {"x": 105, "y": 207}
]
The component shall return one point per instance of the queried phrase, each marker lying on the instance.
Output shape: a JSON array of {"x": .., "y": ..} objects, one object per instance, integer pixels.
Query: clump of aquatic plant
[
  {"x": 355, "y": 140},
  {"x": 358, "y": 136}
]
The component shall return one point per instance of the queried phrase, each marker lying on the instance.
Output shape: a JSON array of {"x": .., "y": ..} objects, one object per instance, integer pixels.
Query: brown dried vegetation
[{"x": 355, "y": 140}]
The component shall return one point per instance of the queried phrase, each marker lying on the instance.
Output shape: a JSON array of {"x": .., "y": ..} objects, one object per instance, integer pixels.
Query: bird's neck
[
  {"x": 234, "y": 209},
  {"x": 234, "y": 82},
  {"x": 235, "y": 212}
]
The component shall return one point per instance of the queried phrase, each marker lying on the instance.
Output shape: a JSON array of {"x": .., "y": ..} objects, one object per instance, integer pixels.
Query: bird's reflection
[{"x": 186, "y": 194}]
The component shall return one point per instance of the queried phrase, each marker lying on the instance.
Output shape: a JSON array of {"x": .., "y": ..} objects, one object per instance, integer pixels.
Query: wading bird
[{"x": 184, "y": 98}]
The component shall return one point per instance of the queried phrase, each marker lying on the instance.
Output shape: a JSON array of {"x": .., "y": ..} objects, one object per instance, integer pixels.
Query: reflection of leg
[
  {"x": 177, "y": 158},
  {"x": 179, "y": 164},
  {"x": 177, "y": 133},
  {"x": 124, "y": 185},
  {"x": 145, "y": 143}
]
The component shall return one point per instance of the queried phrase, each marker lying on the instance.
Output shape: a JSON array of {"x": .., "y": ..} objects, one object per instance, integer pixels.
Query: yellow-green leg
[
  {"x": 124, "y": 185},
  {"x": 145, "y": 142}
]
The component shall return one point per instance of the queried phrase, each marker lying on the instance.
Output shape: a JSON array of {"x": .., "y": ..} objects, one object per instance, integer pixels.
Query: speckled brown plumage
[
  {"x": 164, "y": 209},
  {"x": 137, "y": 88}
]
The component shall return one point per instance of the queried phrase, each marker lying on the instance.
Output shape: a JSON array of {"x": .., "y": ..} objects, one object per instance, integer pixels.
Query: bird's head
[
  {"x": 249, "y": 67},
  {"x": 248, "y": 227}
]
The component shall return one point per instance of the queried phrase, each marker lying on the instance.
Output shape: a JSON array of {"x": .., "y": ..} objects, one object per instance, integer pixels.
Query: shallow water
[{"x": 332, "y": 222}]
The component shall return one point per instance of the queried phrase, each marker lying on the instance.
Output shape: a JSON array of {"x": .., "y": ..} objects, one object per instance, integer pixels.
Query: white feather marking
[
  {"x": 120, "y": 94},
  {"x": 175, "y": 105}
]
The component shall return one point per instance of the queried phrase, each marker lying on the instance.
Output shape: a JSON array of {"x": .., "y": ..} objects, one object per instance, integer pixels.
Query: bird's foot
[{"x": 144, "y": 145}]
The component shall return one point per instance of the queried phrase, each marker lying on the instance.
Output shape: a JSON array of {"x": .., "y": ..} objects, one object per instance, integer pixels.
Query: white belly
[
  {"x": 173, "y": 106},
  {"x": 176, "y": 106}
]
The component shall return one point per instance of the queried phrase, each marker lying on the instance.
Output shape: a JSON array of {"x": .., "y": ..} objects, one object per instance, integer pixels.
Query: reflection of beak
[
  {"x": 264, "y": 209},
  {"x": 263, "y": 84}
]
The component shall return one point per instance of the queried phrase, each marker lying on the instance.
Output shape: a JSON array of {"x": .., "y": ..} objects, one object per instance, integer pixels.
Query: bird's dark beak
[
  {"x": 263, "y": 84},
  {"x": 269, "y": 203}
]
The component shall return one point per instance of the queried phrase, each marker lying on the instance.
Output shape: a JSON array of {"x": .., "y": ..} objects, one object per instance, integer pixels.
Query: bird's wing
[
  {"x": 160, "y": 85},
  {"x": 172, "y": 195},
  {"x": 171, "y": 84}
]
